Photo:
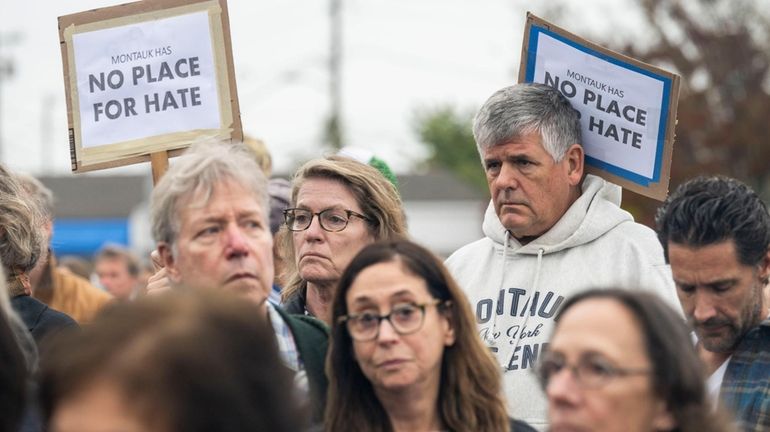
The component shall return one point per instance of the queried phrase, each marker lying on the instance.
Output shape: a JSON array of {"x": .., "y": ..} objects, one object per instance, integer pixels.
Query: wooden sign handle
[{"x": 159, "y": 161}]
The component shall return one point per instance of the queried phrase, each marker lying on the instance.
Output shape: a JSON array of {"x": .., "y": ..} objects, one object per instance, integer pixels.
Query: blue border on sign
[{"x": 534, "y": 34}]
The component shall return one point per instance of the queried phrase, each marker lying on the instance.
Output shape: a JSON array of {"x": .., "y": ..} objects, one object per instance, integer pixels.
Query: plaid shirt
[
  {"x": 746, "y": 385},
  {"x": 287, "y": 349}
]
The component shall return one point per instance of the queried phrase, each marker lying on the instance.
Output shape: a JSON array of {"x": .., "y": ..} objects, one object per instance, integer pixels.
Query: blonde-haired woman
[{"x": 338, "y": 206}]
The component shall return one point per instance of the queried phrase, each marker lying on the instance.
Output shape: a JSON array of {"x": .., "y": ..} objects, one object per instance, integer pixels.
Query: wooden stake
[{"x": 159, "y": 161}]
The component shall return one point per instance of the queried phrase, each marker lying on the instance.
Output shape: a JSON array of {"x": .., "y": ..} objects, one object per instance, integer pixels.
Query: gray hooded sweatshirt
[{"x": 515, "y": 290}]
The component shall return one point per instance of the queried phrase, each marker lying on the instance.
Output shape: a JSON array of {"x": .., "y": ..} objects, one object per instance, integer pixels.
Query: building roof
[
  {"x": 90, "y": 196},
  {"x": 437, "y": 185},
  {"x": 78, "y": 196}
]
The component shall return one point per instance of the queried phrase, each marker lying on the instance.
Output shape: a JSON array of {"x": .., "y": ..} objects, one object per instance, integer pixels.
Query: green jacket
[{"x": 312, "y": 338}]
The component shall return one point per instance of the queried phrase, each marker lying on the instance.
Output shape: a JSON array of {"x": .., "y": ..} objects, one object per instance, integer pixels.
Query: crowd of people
[{"x": 304, "y": 305}]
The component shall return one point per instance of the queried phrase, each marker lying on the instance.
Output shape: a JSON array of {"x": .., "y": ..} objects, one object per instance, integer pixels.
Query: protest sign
[
  {"x": 145, "y": 78},
  {"x": 627, "y": 108}
]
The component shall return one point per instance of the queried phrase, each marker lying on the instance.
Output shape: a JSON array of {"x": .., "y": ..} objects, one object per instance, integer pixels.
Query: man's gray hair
[
  {"x": 21, "y": 239},
  {"x": 39, "y": 193},
  {"x": 195, "y": 174},
  {"x": 521, "y": 109}
]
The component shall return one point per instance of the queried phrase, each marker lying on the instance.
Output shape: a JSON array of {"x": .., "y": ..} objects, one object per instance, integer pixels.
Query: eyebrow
[
  {"x": 511, "y": 156},
  {"x": 711, "y": 284},
  {"x": 368, "y": 300},
  {"x": 219, "y": 218},
  {"x": 331, "y": 207}
]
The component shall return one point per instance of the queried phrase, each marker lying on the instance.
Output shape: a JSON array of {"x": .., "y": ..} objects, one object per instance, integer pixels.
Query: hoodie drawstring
[
  {"x": 535, "y": 292},
  {"x": 490, "y": 336}
]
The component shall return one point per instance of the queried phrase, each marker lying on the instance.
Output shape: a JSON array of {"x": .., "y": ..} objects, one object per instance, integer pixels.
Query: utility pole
[
  {"x": 6, "y": 72},
  {"x": 333, "y": 127},
  {"x": 46, "y": 131}
]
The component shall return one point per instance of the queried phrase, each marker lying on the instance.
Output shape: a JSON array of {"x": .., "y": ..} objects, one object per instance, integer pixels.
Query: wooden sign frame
[
  {"x": 582, "y": 51},
  {"x": 153, "y": 147}
]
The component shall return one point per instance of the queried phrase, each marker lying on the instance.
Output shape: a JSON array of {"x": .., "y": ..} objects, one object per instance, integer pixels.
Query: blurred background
[{"x": 402, "y": 79}]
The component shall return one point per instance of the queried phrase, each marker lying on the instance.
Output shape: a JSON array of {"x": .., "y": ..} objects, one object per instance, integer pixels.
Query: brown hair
[
  {"x": 469, "y": 397},
  {"x": 186, "y": 361},
  {"x": 377, "y": 197},
  {"x": 112, "y": 252},
  {"x": 678, "y": 377}
]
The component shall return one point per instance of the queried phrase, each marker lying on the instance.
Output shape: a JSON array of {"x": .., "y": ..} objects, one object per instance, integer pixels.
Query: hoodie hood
[{"x": 594, "y": 213}]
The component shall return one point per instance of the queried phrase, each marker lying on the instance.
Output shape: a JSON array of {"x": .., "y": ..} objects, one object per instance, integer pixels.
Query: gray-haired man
[
  {"x": 210, "y": 221},
  {"x": 549, "y": 231}
]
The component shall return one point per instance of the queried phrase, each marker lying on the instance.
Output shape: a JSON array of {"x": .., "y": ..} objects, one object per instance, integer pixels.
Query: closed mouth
[
  {"x": 239, "y": 276},
  {"x": 389, "y": 363},
  {"x": 564, "y": 427},
  {"x": 712, "y": 329},
  {"x": 312, "y": 255},
  {"x": 712, "y": 326}
]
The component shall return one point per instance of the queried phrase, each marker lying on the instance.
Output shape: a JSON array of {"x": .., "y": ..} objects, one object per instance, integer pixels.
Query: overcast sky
[{"x": 398, "y": 56}]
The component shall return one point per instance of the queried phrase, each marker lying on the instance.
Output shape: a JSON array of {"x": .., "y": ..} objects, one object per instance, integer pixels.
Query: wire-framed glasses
[
  {"x": 332, "y": 220},
  {"x": 591, "y": 371},
  {"x": 405, "y": 318}
]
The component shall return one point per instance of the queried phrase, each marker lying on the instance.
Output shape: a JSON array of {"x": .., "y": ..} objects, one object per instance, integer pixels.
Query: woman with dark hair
[
  {"x": 183, "y": 362},
  {"x": 623, "y": 361},
  {"x": 404, "y": 353}
]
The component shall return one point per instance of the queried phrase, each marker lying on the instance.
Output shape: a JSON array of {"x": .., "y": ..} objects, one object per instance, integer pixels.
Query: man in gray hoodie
[{"x": 549, "y": 232}]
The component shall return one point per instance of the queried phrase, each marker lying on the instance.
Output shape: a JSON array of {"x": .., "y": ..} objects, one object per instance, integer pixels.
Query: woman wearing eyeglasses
[
  {"x": 623, "y": 361},
  {"x": 339, "y": 206},
  {"x": 404, "y": 353}
]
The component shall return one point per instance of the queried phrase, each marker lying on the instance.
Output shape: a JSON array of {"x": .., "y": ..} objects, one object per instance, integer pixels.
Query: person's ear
[
  {"x": 663, "y": 420},
  {"x": 575, "y": 158},
  {"x": 449, "y": 325},
  {"x": 168, "y": 261},
  {"x": 24, "y": 281},
  {"x": 764, "y": 268}
]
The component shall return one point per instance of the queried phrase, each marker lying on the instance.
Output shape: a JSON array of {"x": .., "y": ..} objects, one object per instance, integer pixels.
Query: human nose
[
  {"x": 314, "y": 230},
  {"x": 386, "y": 333},
  {"x": 508, "y": 177},
  {"x": 562, "y": 386},
  {"x": 703, "y": 307},
  {"x": 237, "y": 244}
]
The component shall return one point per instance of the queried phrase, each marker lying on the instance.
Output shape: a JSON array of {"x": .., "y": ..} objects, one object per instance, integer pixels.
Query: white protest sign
[
  {"x": 627, "y": 108},
  {"x": 145, "y": 78}
]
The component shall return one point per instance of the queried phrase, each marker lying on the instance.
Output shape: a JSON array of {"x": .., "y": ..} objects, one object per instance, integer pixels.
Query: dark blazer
[{"x": 41, "y": 321}]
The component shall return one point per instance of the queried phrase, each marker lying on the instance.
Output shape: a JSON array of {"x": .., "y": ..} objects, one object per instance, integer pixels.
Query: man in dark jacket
[
  {"x": 21, "y": 248},
  {"x": 210, "y": 219}
]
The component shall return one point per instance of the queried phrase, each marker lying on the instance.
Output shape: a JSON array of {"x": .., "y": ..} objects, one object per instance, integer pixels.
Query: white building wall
[{"x": 444, "y": 226}]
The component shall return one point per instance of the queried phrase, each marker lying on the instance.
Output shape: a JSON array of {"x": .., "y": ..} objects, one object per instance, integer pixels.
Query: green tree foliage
[{"x": 448, "y": 136}]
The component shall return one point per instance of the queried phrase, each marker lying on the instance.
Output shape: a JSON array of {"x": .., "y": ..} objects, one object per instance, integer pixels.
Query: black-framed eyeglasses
[
  {"x": 591, "y": 371},
  {"x": 405, "y": 318},
  {"x": 332, "y": 220}
]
